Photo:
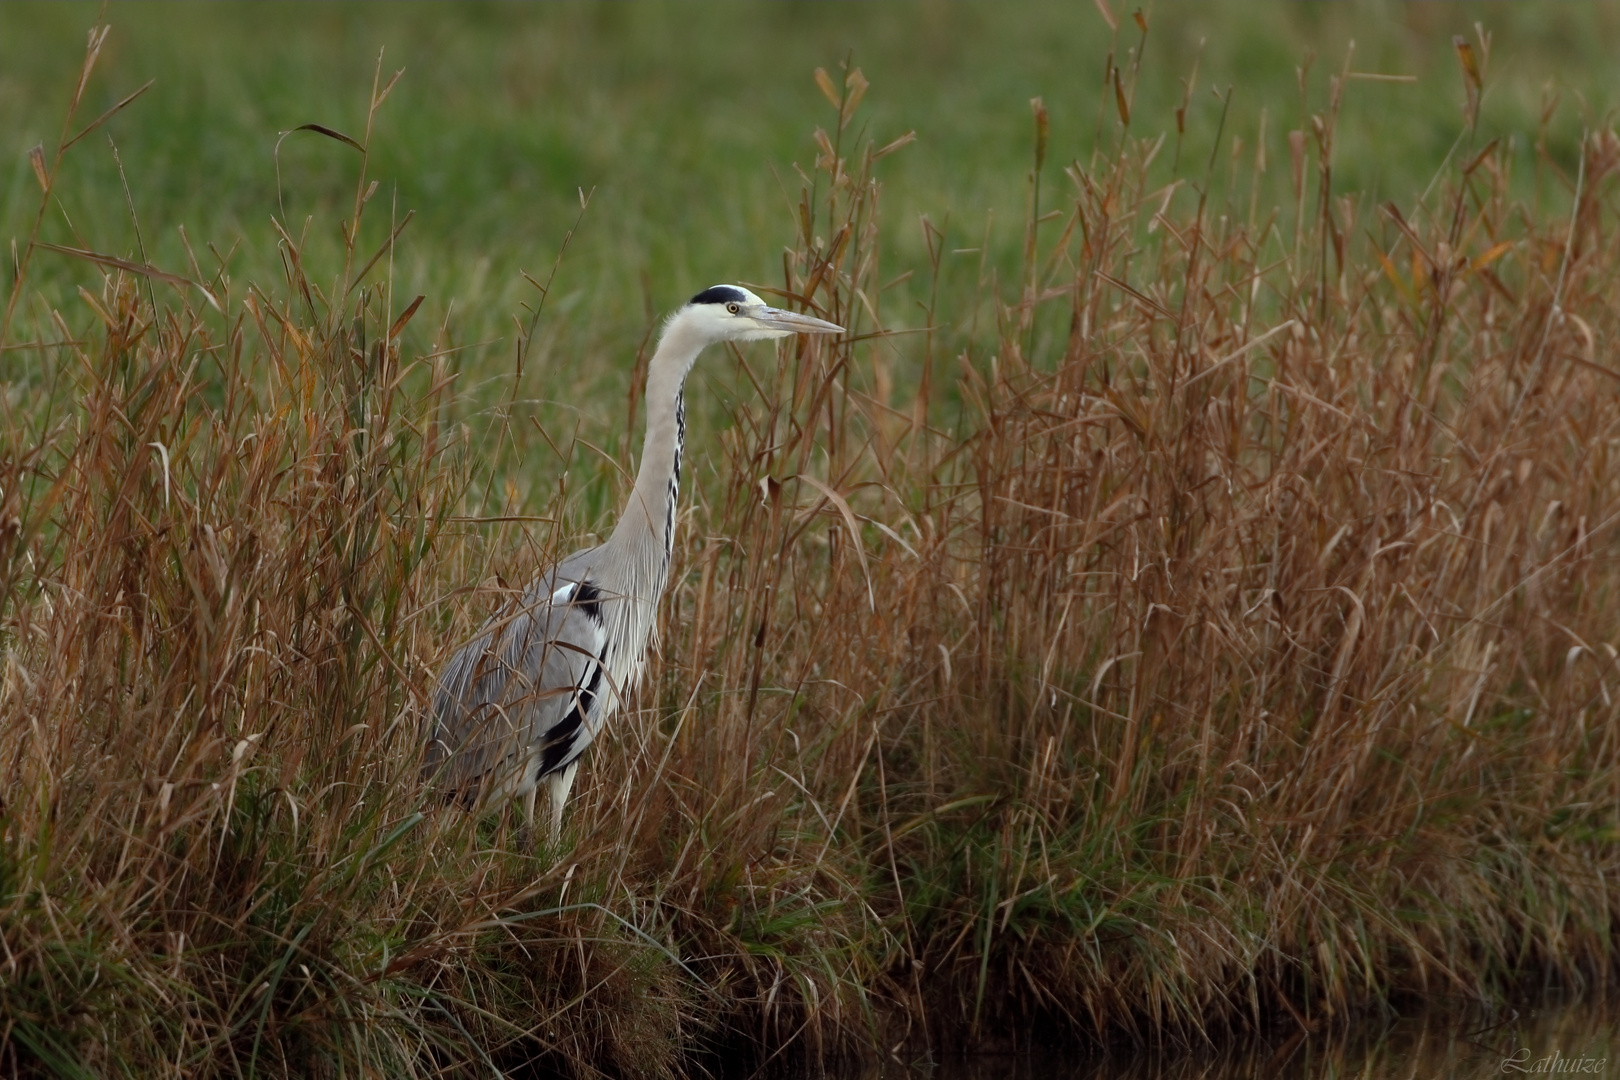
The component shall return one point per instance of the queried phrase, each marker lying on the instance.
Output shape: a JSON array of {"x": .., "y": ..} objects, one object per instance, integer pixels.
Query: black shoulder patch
[
  {"x": 720, "y": 294},
  {"x": 561, "y": 743},
  {"x": 556, "y": 749},
  {"x": 588, "y": 598}
]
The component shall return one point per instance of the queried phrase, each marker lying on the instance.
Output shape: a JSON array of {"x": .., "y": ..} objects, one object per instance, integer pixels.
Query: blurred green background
[{"x": 689, "y": 121}]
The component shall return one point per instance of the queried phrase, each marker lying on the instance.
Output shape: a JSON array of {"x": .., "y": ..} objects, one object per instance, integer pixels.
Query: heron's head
[{"x": 732, "y": 313}]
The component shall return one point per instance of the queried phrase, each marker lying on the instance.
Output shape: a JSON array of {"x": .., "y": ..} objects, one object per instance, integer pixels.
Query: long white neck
[{"x": 645, "y": 534}]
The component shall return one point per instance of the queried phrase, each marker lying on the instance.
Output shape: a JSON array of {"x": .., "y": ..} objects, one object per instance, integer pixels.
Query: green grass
[{"x": 687, "y": 121}]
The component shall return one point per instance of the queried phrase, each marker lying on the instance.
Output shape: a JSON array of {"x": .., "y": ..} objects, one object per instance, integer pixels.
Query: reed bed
[{"x": 1210, "y": 630}]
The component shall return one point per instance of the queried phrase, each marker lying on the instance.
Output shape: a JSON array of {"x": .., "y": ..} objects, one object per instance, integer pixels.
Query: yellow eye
[{"x": 734, "y": 307}]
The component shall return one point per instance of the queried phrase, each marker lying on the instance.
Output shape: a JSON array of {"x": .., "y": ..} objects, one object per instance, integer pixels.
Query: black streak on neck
[{"x": 675, "y": 478}]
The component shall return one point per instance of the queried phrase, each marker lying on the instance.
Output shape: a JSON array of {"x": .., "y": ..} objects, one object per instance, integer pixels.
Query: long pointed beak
[{"x": 793, "y": 322}]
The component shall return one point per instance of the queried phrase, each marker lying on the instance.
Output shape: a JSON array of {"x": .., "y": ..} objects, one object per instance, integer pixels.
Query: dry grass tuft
[{"x": 1220, "y": 635}]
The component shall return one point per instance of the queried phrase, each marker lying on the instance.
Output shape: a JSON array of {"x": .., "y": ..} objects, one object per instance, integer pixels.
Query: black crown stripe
[{"x": 720, "y": 294}]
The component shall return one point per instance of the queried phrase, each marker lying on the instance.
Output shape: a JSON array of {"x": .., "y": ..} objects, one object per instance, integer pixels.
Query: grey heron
[{"x": 516, "y": 706}]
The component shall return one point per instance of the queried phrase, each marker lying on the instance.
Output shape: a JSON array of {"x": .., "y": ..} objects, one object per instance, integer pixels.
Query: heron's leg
[
  {"x": 528, "y": 807},
  {"x": 559, "y": 784}
]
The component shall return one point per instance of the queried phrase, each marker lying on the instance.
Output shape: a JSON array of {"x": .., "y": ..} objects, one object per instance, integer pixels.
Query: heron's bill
[{"x": 793, "y": 322}]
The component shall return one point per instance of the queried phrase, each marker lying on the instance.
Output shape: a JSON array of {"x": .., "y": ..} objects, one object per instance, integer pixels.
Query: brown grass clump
[{"x": 1220, "y": 635}]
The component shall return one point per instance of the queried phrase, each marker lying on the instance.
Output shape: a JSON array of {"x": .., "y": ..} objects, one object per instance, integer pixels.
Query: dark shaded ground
[{"x": 1554, "y": 1038}]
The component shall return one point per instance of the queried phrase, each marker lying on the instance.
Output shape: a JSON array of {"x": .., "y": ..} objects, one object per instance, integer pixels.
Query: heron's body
[{"x": 520, "y": 703}]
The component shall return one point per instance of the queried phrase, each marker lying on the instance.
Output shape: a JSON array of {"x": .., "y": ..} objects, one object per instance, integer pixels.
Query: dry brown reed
[{"x": 1219, "y": 636}]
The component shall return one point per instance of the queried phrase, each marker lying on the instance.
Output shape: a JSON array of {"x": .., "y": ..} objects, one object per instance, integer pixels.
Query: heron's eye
[{"x": 734, "y": 307}]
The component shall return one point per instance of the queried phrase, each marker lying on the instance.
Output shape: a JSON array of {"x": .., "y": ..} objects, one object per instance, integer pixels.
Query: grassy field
[
  {"x": 1210, "y": 627},
  {"x": 687, "y": 126}
]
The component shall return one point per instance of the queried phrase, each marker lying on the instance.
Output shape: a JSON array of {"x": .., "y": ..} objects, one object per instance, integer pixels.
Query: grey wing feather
[{"x": 515, "y": 704}]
